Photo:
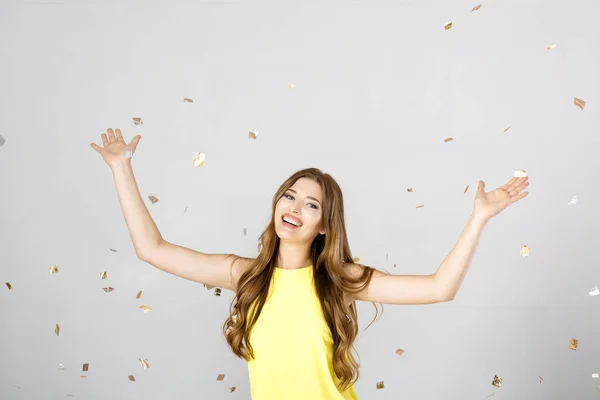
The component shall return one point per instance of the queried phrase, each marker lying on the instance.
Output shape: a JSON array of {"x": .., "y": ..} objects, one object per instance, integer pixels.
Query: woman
[{"x": 293, "y": 317}]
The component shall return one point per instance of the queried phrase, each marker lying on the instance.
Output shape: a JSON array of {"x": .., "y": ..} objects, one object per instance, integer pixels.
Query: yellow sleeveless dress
[{"x": 293, "y": 347}]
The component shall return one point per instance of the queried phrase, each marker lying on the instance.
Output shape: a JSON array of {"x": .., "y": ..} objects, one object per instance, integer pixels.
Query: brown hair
[{"x": 329, "y": 254}]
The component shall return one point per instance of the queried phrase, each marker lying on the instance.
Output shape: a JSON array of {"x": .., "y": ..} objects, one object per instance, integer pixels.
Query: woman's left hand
[{"x": 487, "y": 205}]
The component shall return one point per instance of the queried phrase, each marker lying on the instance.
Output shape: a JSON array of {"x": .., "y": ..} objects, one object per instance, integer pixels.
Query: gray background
[{"x": 378, "y": 87}]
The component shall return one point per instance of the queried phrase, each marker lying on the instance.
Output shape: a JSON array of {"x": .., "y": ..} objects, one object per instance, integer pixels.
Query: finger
[
  {"x": 119, "y": 135},
  {"x": 111, "y": 135},
  {"x": 507, "y": 186},
  {"x": 96, "y": 147},
  {"x": 134, "y": 142},
  {"x": 104, "y": 140},
  {"x": 519, "y": 197}
]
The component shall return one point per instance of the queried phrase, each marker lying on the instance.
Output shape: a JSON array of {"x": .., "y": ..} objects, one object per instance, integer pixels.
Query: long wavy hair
[{"x": 329, "y": 254}]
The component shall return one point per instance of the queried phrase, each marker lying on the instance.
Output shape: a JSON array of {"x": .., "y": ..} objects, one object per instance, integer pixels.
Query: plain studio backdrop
[{"x": 368, "y": 91}]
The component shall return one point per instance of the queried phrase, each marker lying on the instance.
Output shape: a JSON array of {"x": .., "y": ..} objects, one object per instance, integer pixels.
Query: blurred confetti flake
[
  {"x": 113, "y": 250},
  {"x": 394, "y": 265},
  {"x": 579, "y": 103},
  {"x": 259, "y": 246},
  {"x": 477, "y": 7},
  {"x": 61, "y": 366},
  {"x": 520, "y": 173},
  {"x": 505, "y": 130},
  {"x": 594, "y": 291},
  {"x": 153, "y": 199},
  {"x": 188, "y": 100},
  {"x": 253, "y": 134},
  {"x": 108, "y": 289},
  {"x": 552, "y": 46},
  {"x": 199, "y": 159},
  {"x": 2, "y": 141},
  {"x": 574, "y": 200},
  {"x": 208, "y": 287},
  {"x": 139, "y": 294},
  {"x": 137, "y": 120},
  {"x": 144, "y": 363},
  {"x": 8, "y": 285},
  {"x": 232, "y": 389},
  {"x": 595, "y": 376},
  {"x": 409, "y": 190},
  {"x": 448, "y": 139},
  {"x": 217, "y": 292},
  {"x": 448, "y": 25},
  {"x": 103, "y": 275},
  {"x": 399, "y": 352},
  {"x": 85, "y": 367},
  {"x": 57, "y": 330},
  {"x": 69, "y": 395},
  {"x": 221, "y": 377},
  {"x": 541, "y": 379},
  {"x": 54, "y": 269},
  {"x": 245, "y": 231},
  {"x": 131, "y": 378},
  {"x": 525, "y": 251},
  {"x": 380, "y": 385},
  {"x": 145, "y": 308},
  {"x": 421, "y": 206},
  {"x": 573, "y": 344},
  {"x": 466, "y": 189},
  {"x": 83, "y": 376},
  {"x": 290, "y": 85},
  {"x": 497, "y": 381}
]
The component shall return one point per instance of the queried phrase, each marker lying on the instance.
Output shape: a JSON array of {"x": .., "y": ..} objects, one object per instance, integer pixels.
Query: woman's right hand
[{"x": 115, "y": 151}]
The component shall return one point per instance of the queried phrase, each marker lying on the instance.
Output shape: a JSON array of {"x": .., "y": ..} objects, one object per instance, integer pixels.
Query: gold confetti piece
[
  {"x": 595, "y": 376},
  {"x": 448, "y": 139},
  {"x": 448, "y": 25},
  {"x": 525, "y": 251},
  {"x": 497, "y": 381},
  {"x": 253, "y": 134},
  {"x": 2, "y": 141},
  {"x": 579, "y": 103},
  {"x": 57, "y": 330},
  {"x": 409, "y": 190},
  {"x": 507, "y": 128},
  {"x": 232, "y": 389},
  {"x": 113, "y": 250},
  {"x": 54, "y": 269},
  {"x": 467, "y": 188},
  {"x": 108, "y": 289},
  {"x": 144, "y": 363},
  {"x": 551, "y": 47},
  {"x": 83, "y": 376},
  {"x": 290, "y": 85},
  {"x": 208, "y": 287},
  {"x": 380, "y": 385},
  {"x": 477, "y": 7},
  {"x": 594, "y": 291},
  {"x": 139, "y": 294},
  {"x": 131, "y": 378},
  {"x": 217, "y": 292},
  {"x": 103, "y": 275},
  {"x": 394, "y": 265},
  {"x": 573, "y": 344},
  {"x": 573, "y": 200},
  {"x": 221, "y": 377},
  {"x": 8, "y": 285},
  {"x": 421, "y": 206},
  {"x": 85, "y": 367},
  {"x": 145, "y": 308},
  {"x": 356, "y": 259},
  {"x": 541, "y": 379},
  {"x": 245, "y": 231},
  {"x": 153, "y": 199},
  {"x": 399, "y": 352},
  {"x": 520, "y": 173},
  {"x": 199, "y": 159},
  {"x": 137, "y": 120},
  {"x": 188, "y": 100}
]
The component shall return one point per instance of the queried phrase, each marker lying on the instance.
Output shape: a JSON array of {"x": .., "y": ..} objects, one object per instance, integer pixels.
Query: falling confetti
[
  {"x": 579, "y": 103},
  {"x": 54, "y": 269},
  {"x": 217, "y": 292},
  {"x": 57, "y": 330},
  {"x": 467, "y": 188},
  {"x": 448, "y": 139},
  {"x": 448, "y": 25},
  {"x": 253, "y": 134},
  {"x": 2, "y": 141},
  {"x": 573, "y": 344},
  {"x": 208, "y": 287},
  {"x": 139, "y": 294},
  {"x": 113, "y": 250},
  {"x": 409, "y": 190},
  {"x": 399, "y": 352},
  {"x": 380, "y": 385},
  {"x": 573, "y": 200},
  {"x": 188, "y": 100},
  {"x": 153, "y": 199},
  {"x": 185, "y": 210},
  {"x": 520, "y": 173},
  {"x": 144, "y": 363},
  {"x": 595, "y": 376},
  {"x": 497, "y": 381},
  {"x": 145, "y": 308},
  {"x": 199, "y": 159},
  {"x": 61, "y": 366},
  {"x": 8, "y": 285},
  {"x": 552, "y": 46},
  {"x": 541, "y": 379},
  {"x": 290, "y": 85},
  {"x": 394, "y": 265},
  {"x": 83, "y": 376},
  {"x": 525, "y": 251},
  {"x": 594, "y": 291},
  {"x": 108, "y": 289},
  {"x": 85, "y": 367},
  {"x": 477, "y": 7},
  {"x": 507, "y": 128},
  {"x": 232, "y": 389},
  {"x": 259, "y": 246},
  {"x": 103, "y": 275},
  {"x": 221, "y": 377},
  {"x": 245, "y": 231},
  {"x": 421, "y": 206},
  {"x": 137, "y": 120},
  {"x": 131, "y": 378}
]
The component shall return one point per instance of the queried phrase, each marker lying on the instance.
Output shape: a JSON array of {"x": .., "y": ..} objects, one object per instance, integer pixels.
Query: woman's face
[{"x": 303, "y": 203}]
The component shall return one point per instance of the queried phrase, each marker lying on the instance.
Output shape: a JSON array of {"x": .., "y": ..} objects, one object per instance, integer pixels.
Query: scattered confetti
[
  {"x": 113, "y": 250},
  {"x": 448, "y": 25},
  {"x": 208, "y": 287},
  {"x": 144, "y": 363},
  {"x": 573, "y": 200},
  {"x": 595, "y": 376},
  {"x": 57, "y": 330},
  {"x": 245, "y": 231},
  {"x": 131, "y": 378},
  {"x": 467, "y": 188},
  {"x": 399, "y": 352},
  {"x": 421, "y": 206},
  {"x": 139, "y": 294},
  {"x": 85, "y": 367},
  {"x": 137, "y": 120},
  {"x": 394, "y": 265},
  {"x": 290, "y": 85},
  {"x": 61, "y": 366},
  {"x": 185, "y": 210},
  {"x": 108, "y": 289},
  {"x": 8, "y": 285},
  {"x": 525, "y": 251},
  {"x": 199, "y": 159},
  {"x": 594, "y": 291},
  {"x": 103, "y": 275},
  {"x": 2, "y": 141},
  {"x": 253, "y": 134},
  {"x": 380, "y": 385},
  {"x": 573, "y": 344},
  {"x": 217, "y": 292},
  {"x": 145, "y": 308},
  {"x": 541, "y": 379},
  {"x": 409, "y": 190},
  {"x": 54, "y": 269},
  {"x": 232, "y": 389},
  {"x": 448, "y": 139},
  {"x": 188, "y": 100},
  {"x": 551, "y": 47},
  {"x": 510, "y": 126},
  {"x": 153, "y": 199},
  {"x": 83, "y": 376},
  {"x": 579, "y": 103},
  {"x": 477, "y": 7},
  {"x": 520, "y": 173},
  {"x": 497, "y": 381},
  {"x": 221, "y": 377}
]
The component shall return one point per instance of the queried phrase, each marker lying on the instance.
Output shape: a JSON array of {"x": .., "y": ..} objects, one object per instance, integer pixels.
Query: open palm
[
  {"x": 491, "y": 203},
  {"x": 115, "y": 151}
]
